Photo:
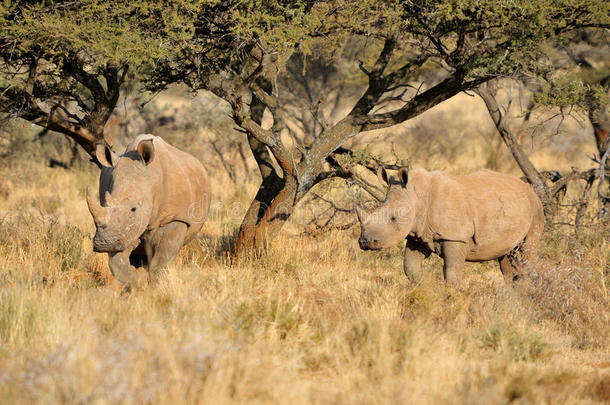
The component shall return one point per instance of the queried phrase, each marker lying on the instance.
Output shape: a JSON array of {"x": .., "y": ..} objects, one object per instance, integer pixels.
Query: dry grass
[{"x": 313, "y": 321}]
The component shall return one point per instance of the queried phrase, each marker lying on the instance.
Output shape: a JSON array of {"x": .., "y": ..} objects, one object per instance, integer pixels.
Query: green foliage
[
  {"x": 562, "y": 92},
  {"x": 70, "y": 61},
  {"x": 64, "y": 63},
  {"x": 99, "y": 32},
  {"x": 193, "y": 40}
]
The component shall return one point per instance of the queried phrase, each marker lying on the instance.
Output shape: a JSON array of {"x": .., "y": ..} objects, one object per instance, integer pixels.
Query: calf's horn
[
  {"x": 358, "y": 212},
  {"x": 97, "y": 211}
]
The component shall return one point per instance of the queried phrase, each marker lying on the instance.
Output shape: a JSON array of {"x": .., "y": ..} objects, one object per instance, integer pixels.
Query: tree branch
[
  {"x": 602, "y": 174},
  {"x": 521, "y": 158},
  {"x": 87, "y": 79},
  {"x": 418, "y": 104},
  {"x": 377, "y": 82}
]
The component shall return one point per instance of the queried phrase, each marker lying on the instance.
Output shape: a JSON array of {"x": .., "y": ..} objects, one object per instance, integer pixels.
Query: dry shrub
[
  {"x": 600, "y": 388},
  {"x": 568, "y": 287},
  {"x": 46, "y": 243}
]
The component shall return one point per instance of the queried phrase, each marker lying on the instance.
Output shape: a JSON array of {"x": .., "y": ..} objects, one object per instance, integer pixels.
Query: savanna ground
[{"x": 314, "y": 320}]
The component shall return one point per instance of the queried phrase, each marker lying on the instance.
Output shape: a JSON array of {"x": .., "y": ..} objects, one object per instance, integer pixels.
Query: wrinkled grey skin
[
  {"x": 482, "y": 216},
  {"x": 154, "y": 199}
]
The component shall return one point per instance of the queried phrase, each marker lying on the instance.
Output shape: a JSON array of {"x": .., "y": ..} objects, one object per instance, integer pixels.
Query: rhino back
[
  {"x": 490, "y": 211},
  {"x": 181, "y": 189}
]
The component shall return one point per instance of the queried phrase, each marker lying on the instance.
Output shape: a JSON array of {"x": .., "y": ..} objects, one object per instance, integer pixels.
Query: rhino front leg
[
  {"x": 415, "y": 253},
  {"x": 124, "y": 272},
  {"x": 454, "y": 255},
  {"x": 166, "y": 244}
]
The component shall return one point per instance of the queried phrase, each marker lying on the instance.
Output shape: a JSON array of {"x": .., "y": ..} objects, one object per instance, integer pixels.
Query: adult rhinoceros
[
  {"x": 481, "y": 216},
  {"x": 154, "y": 199}
]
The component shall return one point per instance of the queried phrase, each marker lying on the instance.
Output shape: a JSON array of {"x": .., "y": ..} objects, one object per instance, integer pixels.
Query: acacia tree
[
  {"x": 575, "y": 78},
  {"x": 64, "y": 64},
  {"x": 586, "y": 85},
  {"x": 240, "y": 49},
  {"x": 583, "y": 58}
]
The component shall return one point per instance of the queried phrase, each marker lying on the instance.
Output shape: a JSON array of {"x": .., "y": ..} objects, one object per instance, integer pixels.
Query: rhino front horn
[
  {"x": 358, "y": 212},
  {"x": 97, "y": 211}
]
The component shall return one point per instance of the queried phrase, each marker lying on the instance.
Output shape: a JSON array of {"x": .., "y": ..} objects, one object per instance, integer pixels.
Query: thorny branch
[{"x": 602, "y": 175}]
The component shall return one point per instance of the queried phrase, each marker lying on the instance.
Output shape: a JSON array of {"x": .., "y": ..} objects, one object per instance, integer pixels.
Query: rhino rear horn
[{"x": 358, "y": 212}]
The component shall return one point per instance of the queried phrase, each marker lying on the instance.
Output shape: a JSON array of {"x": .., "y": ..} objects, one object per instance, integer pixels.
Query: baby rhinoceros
[
  {"x": 154, "y": 199},
  {"x": 481, "y": 216}
]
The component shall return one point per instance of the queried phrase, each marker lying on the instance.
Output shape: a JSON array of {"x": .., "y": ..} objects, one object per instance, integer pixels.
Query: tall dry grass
[{"x": 314, "y": 320}]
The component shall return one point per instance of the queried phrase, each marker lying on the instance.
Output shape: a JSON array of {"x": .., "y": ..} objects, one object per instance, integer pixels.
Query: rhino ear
[
  {"x": 146, "y": 150},
  {"x": 104, "y": 155},
  {"x": 403, "y": 176},
  {"x": 382, "y": 175}
]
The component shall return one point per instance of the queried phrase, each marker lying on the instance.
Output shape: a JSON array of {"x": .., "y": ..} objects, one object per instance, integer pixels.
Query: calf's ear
[
  {"x": 403, "y": 176},
  {"x": 146, "y": 150},
  {"x": 104, "y": 155},
  {"x": 382, "y": 175}
]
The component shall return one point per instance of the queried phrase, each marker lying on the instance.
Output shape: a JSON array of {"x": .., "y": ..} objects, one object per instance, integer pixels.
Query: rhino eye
[
  {"x": 133, "y": 209},
  {"x": 393, "y": 218}
]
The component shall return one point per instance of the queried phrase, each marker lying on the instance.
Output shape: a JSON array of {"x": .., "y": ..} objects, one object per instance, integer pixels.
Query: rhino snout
[
  {"x": 102, "y": 244},
  {"x": 367, "y": 244}
]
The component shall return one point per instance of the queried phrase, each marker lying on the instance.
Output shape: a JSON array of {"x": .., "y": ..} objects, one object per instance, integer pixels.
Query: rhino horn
[
  {"x": 359, "y": 212},
  {"x": 109, "y": 200},
  {"x": 97, "y": 211}
]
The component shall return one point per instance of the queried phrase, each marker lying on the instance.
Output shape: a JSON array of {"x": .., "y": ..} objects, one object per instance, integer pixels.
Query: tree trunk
[
  {"x": 600, "y": 120},
  {"x": 270, "y": 188},
  {"x": 528, "y": 169},
  {"x": 274, "y": 201},
  {"x": 533, "y": 175},
  {"x": 601, "y": 132},
  {"x": 266, "y": 216},
  {"x": 598, "y": 115}
]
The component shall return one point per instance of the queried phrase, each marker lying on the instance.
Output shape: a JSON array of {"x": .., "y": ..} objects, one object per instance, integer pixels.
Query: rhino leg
[
  {"x": 514, "y": 263},
  {"x": 138, "y": 257},
  {"x": 454, "y": 255},
  {"x": 123, "y": 271},
  {"x": 531, "y": 243},
  {"x": 415, "y": 253},
  {"x": 507, "y": 269},
  {"x": 166, "y": 244}
]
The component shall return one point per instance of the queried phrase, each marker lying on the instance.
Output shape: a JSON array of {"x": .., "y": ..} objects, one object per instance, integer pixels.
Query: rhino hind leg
[
  {"x": 415, "y": 253},
  {"x": 167, "y": 242},
  {"x": 517, "y": 260},
  {"x": 531, "y": 244},
  {"x": 507, "y": 267},
  {"x": 454, "y": 256}
]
